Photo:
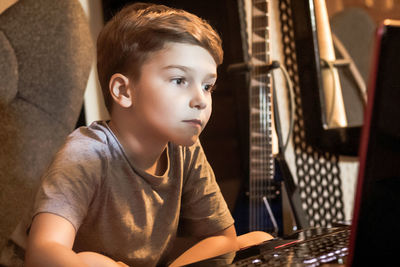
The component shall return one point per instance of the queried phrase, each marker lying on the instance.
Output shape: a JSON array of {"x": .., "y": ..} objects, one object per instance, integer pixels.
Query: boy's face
[{"x": 172, "y": 98}]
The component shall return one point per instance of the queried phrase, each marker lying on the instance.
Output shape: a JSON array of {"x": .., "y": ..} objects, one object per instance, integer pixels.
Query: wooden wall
[{"x": 377, "y": 9}]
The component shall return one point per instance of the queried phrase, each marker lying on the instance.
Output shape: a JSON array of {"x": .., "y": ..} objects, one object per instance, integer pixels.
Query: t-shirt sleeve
[
  {"x": 204, "y": 210},
  {"x": 70, "y": 183}
]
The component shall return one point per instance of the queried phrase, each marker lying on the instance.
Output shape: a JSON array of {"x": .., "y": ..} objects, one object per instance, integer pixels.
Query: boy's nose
[{"x": 198, "y": 99}]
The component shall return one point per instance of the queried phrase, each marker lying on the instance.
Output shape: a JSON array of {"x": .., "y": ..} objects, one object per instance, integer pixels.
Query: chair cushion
[
  {"x": 48, "y": 54},
  {"x": 8, "y": 70}
]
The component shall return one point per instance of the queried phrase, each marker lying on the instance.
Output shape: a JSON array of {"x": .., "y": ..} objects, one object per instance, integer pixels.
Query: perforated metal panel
[{"x": 317, "y": 172}]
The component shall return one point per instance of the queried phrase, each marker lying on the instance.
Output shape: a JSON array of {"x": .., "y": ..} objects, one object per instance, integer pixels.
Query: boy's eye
[
  {"x": 209, "y": 87},
  {"x": 178, "y": 81}
]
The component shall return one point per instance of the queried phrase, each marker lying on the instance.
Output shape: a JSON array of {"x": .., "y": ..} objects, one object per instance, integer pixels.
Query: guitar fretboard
[{"x": 261, "y": 158}]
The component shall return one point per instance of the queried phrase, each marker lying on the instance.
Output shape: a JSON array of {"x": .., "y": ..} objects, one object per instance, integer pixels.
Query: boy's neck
[{"x": 148, "y": 156}]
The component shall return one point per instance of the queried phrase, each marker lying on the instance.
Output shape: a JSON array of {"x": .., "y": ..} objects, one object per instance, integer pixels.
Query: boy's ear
[{"x": 120, "y": 90}]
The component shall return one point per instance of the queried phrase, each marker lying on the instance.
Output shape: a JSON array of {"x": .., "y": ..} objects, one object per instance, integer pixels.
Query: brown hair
[{"x": 140, "y": 29}]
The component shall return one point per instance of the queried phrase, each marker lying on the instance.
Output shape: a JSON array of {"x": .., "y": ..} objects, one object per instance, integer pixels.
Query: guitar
[
  {"x": 261, "y": 163},
  {"x": 267, "y": 170},
  {"x": 262, "y": 199}
]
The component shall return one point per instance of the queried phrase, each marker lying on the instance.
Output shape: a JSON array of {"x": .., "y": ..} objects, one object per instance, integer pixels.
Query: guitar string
[
  {"x": 252, "y": 204},
  {"x": 266, "y": 120},
  {"x": 253, "y": 222},
  {"x": 268, "y": 107},
  {"x": 254, "y": 174},
  {"x": 261, "y": 184}
]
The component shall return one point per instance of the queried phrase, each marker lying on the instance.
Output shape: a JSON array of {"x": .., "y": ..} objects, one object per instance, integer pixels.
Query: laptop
[
  {"x": 375, "y": 233},
  {"x": 373, "y": 237}
]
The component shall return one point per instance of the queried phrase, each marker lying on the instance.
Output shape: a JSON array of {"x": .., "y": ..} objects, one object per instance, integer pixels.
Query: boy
[{"x": 116, "y": 190}]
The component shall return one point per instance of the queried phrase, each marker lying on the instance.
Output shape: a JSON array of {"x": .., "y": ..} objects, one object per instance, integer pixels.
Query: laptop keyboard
[{"x": 312, "y": 247}]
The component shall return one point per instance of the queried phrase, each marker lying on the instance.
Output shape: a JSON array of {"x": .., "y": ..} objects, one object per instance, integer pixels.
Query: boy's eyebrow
[{"x": 187, "y": 69}]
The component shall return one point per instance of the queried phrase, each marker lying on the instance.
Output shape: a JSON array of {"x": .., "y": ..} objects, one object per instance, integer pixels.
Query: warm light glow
[
  {"x": 389, "y": 4},
  {"x": 369, "y": 3}
]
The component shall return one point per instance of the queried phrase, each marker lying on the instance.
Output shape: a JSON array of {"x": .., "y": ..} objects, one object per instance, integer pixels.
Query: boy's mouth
[{"x": 194, "y": 122}]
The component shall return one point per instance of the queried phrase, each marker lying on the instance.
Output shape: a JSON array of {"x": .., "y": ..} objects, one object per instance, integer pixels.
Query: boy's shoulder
[
  {"x": 95, "y": 139},
  {"x": 86, "y": 153},
  {"x": 96, "y": 132}
]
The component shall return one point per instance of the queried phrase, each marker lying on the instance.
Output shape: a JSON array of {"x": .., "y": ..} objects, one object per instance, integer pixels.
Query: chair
[{"x": 46, "y": 53}]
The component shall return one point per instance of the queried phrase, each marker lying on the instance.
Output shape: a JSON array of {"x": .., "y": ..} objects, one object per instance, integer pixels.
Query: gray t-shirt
[{"x": 123, "y": 212}]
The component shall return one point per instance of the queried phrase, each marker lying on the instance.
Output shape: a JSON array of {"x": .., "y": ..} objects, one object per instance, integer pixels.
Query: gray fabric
[
  {"x": 45, "y": 57},
  {"x": 355, "y": 29},
  {"x": 122, "y": 211},
  {"x": 8, "y": 70}
]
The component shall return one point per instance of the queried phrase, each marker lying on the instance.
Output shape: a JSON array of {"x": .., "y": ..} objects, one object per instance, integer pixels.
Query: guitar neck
[{"x": 261, "y": 157}]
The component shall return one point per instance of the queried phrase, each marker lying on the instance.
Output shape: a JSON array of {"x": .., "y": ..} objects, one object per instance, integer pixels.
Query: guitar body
[{"x": 242, "y": 210}]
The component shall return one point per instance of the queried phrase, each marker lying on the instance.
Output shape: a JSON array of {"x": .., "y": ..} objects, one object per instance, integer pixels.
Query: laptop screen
[{"x": 375, "y": 232}]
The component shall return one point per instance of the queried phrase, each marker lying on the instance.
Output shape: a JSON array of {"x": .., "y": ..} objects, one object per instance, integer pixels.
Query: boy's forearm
[
  {"x": 207, "y": 248},
  {"x": 57, "y": 255},
  {"x": 52, "y": 254}
]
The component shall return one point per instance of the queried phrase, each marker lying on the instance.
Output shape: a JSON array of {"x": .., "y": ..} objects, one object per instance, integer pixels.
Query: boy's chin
[{"x": 187, "y": 142}]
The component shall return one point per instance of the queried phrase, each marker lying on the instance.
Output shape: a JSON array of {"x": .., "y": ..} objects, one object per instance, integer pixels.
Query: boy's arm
[
  {"x": 50, "y": 242},
  {"x": 217, "y": 244}
]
